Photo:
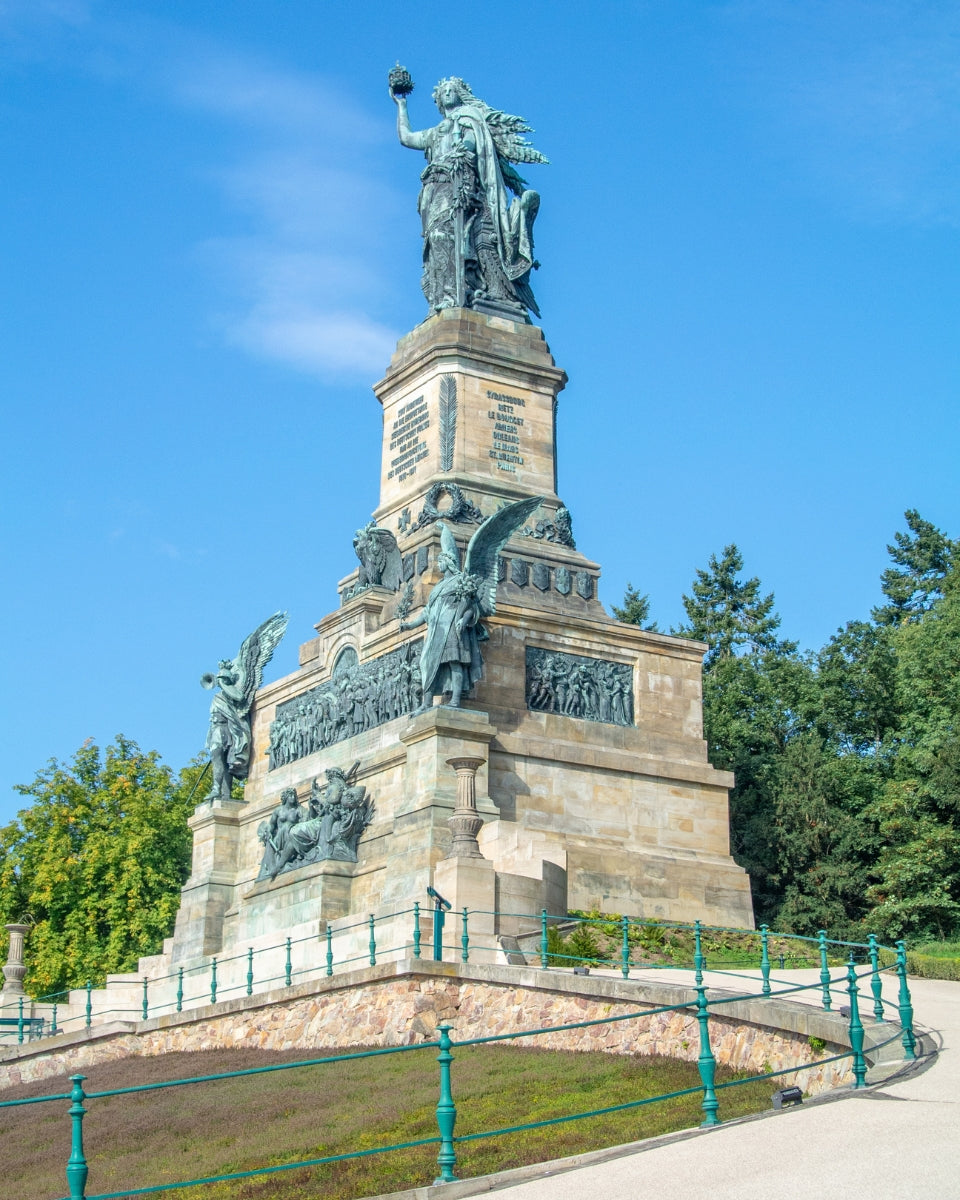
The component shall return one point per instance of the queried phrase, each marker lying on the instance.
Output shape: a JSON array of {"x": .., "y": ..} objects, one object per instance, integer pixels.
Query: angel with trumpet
[{"x": 229, "y": 737}]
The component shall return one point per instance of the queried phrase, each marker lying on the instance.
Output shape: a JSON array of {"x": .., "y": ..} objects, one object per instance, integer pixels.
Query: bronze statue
[
  {"x": 379, "y": 558},
  {"x": 450, "y": 660},
  {"x": 338, "y": 813},
  {"x": 477, "y": 237},
  {"x": 228, "y": 737}
]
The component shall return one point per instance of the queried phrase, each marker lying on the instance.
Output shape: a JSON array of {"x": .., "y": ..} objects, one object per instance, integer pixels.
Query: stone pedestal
[
  {"x": 432, "y": 739},
  {"x": 576, "y": 775},
  {"x": 470, "y": 883},
  {"x": 209, "y": 891}
]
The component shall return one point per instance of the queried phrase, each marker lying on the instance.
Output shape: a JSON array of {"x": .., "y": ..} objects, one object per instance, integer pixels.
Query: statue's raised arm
[
  {"x": 477, "y": 213},
  {"x": 229, "y": 736}
]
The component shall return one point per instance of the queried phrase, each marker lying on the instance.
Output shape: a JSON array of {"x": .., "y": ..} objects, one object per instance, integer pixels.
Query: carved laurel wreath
[{"x": 460, "y": 510}]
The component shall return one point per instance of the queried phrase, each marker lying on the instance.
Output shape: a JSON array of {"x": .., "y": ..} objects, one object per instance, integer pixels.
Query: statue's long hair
[{"x": 464, "y": 91}]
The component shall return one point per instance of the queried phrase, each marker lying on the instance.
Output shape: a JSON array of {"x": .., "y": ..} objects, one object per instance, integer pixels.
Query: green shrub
[
  {"x": 929, "y": 962},
  {"x": 583, "y": 946}
]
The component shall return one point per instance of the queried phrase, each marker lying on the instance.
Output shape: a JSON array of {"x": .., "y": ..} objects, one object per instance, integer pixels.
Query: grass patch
[{"x": 199, "y": 1130}]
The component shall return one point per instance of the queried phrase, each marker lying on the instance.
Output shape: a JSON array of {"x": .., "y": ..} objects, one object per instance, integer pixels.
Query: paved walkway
[{"x": 898, "y": 1141}]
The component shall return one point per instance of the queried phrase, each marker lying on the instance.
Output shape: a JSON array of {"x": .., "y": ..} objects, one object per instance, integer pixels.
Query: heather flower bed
[{"x": 208, "y": 1129}]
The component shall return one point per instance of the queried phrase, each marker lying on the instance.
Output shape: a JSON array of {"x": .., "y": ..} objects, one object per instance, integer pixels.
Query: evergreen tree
[
  {"x": 857, "y": 675},
  {"x": 635, "y": 610},
  {"x": 96, "y": 862},
  {"x": 922, "y": 560},
  {"x": 729, "y": 613}
]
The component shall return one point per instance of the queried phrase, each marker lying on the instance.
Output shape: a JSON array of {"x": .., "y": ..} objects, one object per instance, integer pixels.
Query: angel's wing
[
  {"x": 256, "y": 652},
  {"x": 486, "y": 544}
]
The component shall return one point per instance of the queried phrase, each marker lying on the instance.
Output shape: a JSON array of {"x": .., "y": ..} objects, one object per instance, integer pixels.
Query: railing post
[
  {"x": 543, "y": 939},
  {"x": 143, "y": 1007},
  {"x": 706, "y": 1063},
  {"x": 250, "y": 971},
  {"x": 438, "y": 920},
  {"x": 373, "y": 943},
  {"x": 876, "y": 983},
  {"x": 905, "y": 1005},
  {"x": 89, "y": 1004},
  {"x": 856, "y": 1028},
  {"x": 180, "y": 990},
  {"x": 416, "y": 929},
  {"x": 329, "y": 948},
  {"x": 213, "y": 980},
  {"x": 20, "y": 1020},
  {"x": 53, "y": 1021},
  {"x": 288, "y": 965},
  {"x": 824, "y": 969},
  {"x": 698, "y": 961},
  {"x": 625, "y": 947},
  {"x": 77, "y": 1169},
  {"x": 765, "y": 959},
  {"x": 446, "y": 1110},
  {"x": 465, "y": 938}
]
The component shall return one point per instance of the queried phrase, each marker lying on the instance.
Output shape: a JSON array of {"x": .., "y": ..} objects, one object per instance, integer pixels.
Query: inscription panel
[
  {"x": 572, "y": 685},
  {"x": 507, "y": 426},
  {"x": 412, "y": 419}
]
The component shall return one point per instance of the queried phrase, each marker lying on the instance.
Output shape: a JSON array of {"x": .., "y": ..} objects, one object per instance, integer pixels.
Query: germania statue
[
  {"x": 450, "y": 660},
  {"x": 476, "y": 211},
  {"x": 229, "y": 737}
]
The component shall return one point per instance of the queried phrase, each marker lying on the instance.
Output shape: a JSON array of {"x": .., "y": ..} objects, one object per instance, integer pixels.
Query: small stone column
[
  {"x": 466, "y": 822},
  {"x": 14, "y": 969}
]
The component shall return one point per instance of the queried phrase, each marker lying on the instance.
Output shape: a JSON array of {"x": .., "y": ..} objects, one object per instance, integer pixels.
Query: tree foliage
[
  {"x": 846, "y": 808},
  {"x": 95, "y": 863},
  {"x": 635, "y": 610},
  {"x": 729, "y": 613}
]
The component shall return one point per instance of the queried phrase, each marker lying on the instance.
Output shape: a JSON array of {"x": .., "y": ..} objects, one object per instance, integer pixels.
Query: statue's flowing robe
[
  {"x": 512, "y": 223},
  {"x": 231, "y": 735},
  {"x": 514, "y": 232},
  {"x": 443, "y": 644}
]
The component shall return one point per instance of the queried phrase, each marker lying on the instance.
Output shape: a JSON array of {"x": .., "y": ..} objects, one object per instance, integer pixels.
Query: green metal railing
[
  {"x": 241, "y": 975},
  {"x": 699, "y": 1010}
]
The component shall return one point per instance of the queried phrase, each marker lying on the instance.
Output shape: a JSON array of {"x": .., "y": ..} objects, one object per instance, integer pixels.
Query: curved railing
[
  {"x": 297, "y": 960},
  {"x": 446, "y": 1138}
]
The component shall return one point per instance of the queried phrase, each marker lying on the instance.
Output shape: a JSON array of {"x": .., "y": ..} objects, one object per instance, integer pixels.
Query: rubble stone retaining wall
[{"x": 403, "y": 1007}]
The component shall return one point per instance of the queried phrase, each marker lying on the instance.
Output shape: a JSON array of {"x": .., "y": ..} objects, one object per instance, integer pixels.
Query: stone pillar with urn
[
  {"x": 14, "y": 969},
  {"x": 465, "y": 877}
]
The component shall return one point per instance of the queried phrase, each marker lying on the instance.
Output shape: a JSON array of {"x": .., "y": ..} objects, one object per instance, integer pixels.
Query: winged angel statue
[
  {"x": 450, "y": 660},
  {"x": 477, "y": 237},
  {"x": 229, "y": 737}
]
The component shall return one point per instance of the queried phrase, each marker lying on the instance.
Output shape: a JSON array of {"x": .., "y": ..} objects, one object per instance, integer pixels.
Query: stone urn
[{"x": 14, "y": 969}]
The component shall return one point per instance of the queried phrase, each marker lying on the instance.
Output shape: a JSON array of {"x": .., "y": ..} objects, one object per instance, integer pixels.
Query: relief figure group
[{"x": 573, "y": 686}]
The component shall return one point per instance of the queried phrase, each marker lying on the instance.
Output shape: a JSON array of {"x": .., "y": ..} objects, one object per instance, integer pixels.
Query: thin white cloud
[
  {"x": 304, "y": 276},
  {"x": 303, "y": 282},
  {"x": 315, "y": 340},
  {"x": 262, "y": 96}
]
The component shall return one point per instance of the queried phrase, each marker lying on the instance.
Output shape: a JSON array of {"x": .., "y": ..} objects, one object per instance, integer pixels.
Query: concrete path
[{"x": 896, "y": 1141}]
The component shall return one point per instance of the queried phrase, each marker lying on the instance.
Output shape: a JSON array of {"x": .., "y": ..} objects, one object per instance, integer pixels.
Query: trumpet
[{"x": 208, "y": 680}]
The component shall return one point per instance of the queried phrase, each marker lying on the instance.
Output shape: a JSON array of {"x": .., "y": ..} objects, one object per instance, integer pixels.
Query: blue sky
[{"x": 209, "y": 245}]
